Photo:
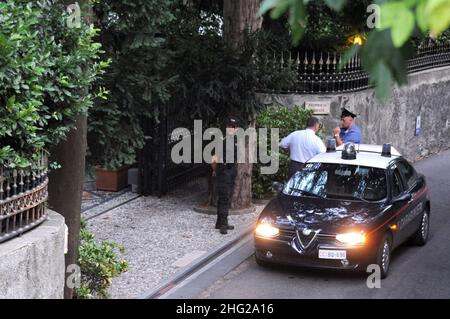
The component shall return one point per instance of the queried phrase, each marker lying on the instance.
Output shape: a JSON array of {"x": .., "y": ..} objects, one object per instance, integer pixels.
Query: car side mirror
[
  {"x": 403, "y": 197},
  {"x": 420, "y": 181},
  {"x": 278, "y": 186}
]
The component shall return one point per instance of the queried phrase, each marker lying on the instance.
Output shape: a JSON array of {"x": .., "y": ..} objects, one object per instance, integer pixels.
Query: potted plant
[
  {"x": 112, "y": 180},
  {"x": 113, "y": 140}
]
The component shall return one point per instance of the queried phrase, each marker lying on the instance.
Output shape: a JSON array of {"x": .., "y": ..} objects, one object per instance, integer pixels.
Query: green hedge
[
  {"x": 167, "y": 61},
  {"x": 46, "y": 75},
  {"x": 287, "y": 120}
]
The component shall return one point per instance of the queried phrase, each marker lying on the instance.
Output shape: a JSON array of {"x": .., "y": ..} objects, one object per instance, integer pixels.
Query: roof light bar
[
  {"x": 349, "y": 151},
  {"x": 386, "y": 151},
  {"x": 331, "y": 145}
]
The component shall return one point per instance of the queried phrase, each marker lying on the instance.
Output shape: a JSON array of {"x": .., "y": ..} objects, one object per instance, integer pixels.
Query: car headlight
[
  {"x": 352, "y": 238},
  {"x": 265, "y": 229}
]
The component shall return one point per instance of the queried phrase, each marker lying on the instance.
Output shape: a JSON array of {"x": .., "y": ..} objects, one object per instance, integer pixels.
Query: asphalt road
[{"x": 416, "y": 272}]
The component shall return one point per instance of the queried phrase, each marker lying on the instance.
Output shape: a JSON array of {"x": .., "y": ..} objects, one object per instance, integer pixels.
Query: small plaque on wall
[{"x": 319, "y": 107}]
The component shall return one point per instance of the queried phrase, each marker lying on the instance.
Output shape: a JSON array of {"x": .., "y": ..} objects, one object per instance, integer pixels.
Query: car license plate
[{"x": 332, "y": 254}]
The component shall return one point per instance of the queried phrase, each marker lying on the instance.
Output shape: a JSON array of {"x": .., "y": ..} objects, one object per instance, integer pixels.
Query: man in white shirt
[{"x": 303, "y": 145}]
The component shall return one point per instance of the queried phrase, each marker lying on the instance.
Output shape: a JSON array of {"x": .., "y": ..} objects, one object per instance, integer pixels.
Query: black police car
[{"x": 346, "y": 209}]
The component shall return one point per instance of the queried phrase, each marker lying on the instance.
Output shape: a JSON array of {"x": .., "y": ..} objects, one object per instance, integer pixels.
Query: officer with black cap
[
  {"x": 225, "y": 171},
  {"x": 348, "y": 131}
]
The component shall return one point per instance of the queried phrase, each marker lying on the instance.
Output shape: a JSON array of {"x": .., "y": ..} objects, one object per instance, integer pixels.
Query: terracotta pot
[{"x": 111, "y": 180}]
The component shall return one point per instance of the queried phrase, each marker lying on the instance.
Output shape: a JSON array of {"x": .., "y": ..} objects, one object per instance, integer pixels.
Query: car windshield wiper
[
  {"x": 305, "y": 192},
  {"x": 349, "y": 196}
]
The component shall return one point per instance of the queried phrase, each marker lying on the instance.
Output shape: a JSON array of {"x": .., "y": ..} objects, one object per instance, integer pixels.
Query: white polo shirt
[{"x": 303, "y": 145}]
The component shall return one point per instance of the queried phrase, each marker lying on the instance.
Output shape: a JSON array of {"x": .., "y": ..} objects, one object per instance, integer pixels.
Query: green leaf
[
  {"x": 389, "y": 12},
  {"x": 402, "y": 28},
  {"x": 438, "y": 12},
  {"x": 297, "y": 21},
  {"x": 400, "y": 19},
  {"x": 280, "y": 8},
  {"x": 421, "y": 16},
  {"x": 336, "y": 5},
  {"x": 266, "y": 6},
  {"x": 11, "y": 101},
  {"x": 382, "y": 78}
]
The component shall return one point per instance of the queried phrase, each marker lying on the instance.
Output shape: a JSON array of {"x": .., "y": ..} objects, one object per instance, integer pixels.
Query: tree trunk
[
  {"x": 66, "y": 184},
  {"x": 239, "y": 16},
  {"x": 242, "y": 195}
]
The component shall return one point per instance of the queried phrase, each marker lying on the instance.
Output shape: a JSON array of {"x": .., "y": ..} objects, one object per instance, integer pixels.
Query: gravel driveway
[{"x": 157, "y": 233}]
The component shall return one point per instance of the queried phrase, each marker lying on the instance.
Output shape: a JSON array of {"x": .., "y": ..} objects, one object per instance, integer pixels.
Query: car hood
[{"x": 330, "y": 215}]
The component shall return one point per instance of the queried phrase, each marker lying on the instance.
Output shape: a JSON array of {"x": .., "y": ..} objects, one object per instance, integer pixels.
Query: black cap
[
  {"x": 346, "y": 113},
  {"x": 232, "y": 121}
]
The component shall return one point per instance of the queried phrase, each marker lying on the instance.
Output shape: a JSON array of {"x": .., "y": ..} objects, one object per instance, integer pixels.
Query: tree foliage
[
  {"x": 388, "y": 46},
  {"x": 134, "y": 37},
  {"x": 286, "y": 120},
  {"x": 185, "y": 63},
  {"x": 47, "y": 72}
]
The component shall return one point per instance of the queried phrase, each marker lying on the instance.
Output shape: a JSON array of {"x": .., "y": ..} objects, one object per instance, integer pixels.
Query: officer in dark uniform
[{"x": 225, "y": 171}]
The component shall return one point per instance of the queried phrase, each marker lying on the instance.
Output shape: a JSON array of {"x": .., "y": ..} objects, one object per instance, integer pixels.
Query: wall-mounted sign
[
  {"x": 417, "y": 132},
  {"x": 319, "y": 107}
]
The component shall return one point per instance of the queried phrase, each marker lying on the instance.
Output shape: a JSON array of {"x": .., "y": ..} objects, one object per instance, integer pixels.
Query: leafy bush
[
  {"x": 287, "y": 120},
  {"x": 182, "y": 61},
  {"x": 47, "y": 72},
  {"x": 134, "y": 36},
  {"x": 99, "y": 264}
]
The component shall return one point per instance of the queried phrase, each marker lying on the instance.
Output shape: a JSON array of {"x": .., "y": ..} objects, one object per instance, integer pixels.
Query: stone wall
[
  {"x": 32, "y": 265},
  {"x": 427, "y": 95}
]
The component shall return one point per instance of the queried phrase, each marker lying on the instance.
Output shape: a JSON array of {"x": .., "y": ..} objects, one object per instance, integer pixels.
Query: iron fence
[
  {"x": 23, "y": 196},
  {"x": 319, "y": 72}
]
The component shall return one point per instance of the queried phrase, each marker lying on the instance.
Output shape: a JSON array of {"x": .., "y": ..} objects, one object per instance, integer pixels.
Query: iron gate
[{"x": 157, "y": 172}]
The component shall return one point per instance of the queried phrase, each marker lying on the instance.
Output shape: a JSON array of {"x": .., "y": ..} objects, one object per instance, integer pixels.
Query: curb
[
  {"x": 178, "y": 277},
  {"x": 111, "y": 208}
]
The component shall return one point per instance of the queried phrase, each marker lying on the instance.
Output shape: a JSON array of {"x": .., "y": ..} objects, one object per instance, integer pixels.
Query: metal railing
[
  {"x": 318, "y": 72},
  {"x": 23, "y": 196}
]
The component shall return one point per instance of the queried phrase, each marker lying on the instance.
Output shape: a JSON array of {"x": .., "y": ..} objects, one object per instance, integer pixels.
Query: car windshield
[{"x": 338, "y": 181}]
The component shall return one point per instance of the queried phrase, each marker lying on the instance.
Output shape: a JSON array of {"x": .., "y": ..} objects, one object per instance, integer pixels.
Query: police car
[{"x": 346, "y": 209}]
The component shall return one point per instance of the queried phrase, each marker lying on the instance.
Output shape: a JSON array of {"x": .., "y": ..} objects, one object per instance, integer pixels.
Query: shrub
[
  {"x": 134, "y": 35},
  {"x": 47, "y": 72},
  {"x": 181, "y": 61},
  {"x": 287, "y": 120},
  {"x": 99, "y": 264}
]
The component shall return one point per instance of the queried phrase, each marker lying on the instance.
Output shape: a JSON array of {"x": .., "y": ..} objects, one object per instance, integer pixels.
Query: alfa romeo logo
[{"x": 309, "y": 235}]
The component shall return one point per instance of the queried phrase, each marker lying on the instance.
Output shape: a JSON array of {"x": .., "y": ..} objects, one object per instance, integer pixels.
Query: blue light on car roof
[
  {"x": 349, "y": 151},
  {"x": 331, "y": 145},
  {"x": 386, "y": 151}
]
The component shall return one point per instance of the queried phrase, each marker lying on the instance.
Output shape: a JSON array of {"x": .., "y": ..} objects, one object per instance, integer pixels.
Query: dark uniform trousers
[
  {"x": 226, "y": 175},
  {"x": 294, "y": 166}
]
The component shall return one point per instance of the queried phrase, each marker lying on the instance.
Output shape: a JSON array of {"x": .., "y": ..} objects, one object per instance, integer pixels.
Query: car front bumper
[{"x": 282, "y": 252}]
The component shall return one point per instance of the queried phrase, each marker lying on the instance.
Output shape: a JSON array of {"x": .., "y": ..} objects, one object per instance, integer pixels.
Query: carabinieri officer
[
  {"x": 349, "y": 131},
  {"x": 225, "y": 170}
]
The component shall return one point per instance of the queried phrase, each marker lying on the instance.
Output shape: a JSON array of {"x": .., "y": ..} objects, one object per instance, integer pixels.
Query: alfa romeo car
[{"x": 346, "y": 209}]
